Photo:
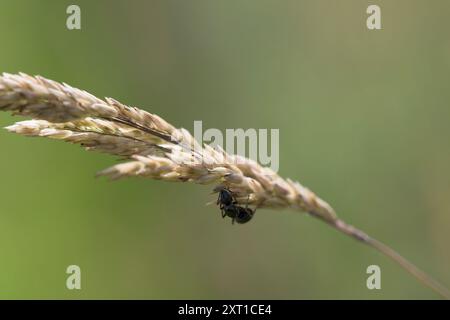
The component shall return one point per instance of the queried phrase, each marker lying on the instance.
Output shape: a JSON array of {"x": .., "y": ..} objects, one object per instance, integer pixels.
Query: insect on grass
[{"x": 155, "y": 149}]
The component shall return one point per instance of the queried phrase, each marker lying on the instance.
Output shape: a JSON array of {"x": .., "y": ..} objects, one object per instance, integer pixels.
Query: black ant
[{"x": 228, "y": 207}]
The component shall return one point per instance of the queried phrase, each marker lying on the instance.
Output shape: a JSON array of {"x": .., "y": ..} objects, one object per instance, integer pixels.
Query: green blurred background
[{"x": 363, "y": 118}]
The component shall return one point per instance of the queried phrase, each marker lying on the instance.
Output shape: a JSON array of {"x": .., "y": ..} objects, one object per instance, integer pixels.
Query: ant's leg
[
  {"x": 233, "y": 197},
  {"x": 223, "y": 213}
]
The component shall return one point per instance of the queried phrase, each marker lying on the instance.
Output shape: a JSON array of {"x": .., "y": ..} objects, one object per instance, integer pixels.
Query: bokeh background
[{"x": 363, "y": 118}]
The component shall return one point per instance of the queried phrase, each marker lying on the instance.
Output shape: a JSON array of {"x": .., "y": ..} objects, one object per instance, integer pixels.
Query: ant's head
[{"x": 225, "y": 197}]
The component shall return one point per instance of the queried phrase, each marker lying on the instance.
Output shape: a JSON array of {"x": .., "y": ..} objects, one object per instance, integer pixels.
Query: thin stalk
[{"x": 361, "y": 236}]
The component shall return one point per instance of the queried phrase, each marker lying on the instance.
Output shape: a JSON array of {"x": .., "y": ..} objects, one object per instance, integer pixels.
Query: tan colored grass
[{"x": 156, "y": 149}]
